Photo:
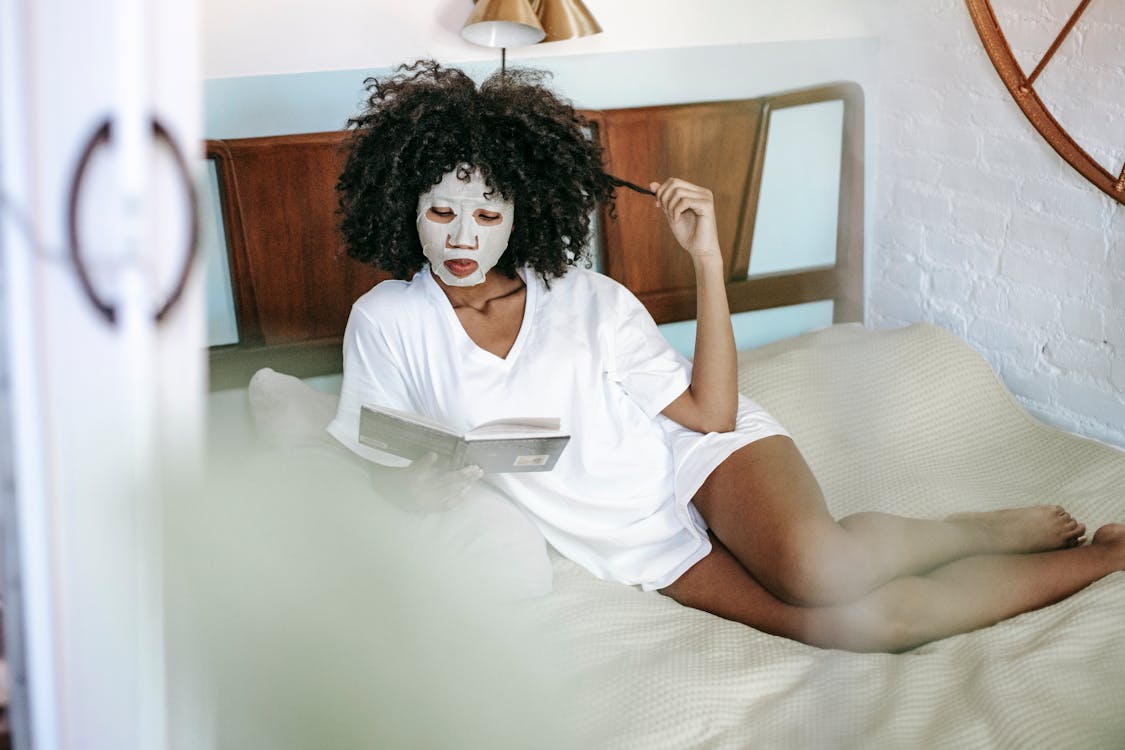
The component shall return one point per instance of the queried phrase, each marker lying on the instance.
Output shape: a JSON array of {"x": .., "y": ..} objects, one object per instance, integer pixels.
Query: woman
[{"x": 672, "y": 480}]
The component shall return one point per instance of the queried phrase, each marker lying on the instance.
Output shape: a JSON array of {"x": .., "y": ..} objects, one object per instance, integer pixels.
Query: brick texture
[{"x": 982, "y": 228}]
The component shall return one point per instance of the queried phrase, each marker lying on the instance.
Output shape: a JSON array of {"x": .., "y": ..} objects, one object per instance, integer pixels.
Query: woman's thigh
[{"x": 767, "y": 508}]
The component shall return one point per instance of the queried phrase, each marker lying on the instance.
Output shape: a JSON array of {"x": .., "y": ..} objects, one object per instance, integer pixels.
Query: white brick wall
[{"x": 982, "y": 228}]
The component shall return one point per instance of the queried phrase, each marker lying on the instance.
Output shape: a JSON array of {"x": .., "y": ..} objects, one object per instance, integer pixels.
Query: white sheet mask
[{"x": 462, "y": 227}]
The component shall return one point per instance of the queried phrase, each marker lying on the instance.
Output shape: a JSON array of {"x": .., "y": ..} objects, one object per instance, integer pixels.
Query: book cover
[{"x": 507, "y": 445}]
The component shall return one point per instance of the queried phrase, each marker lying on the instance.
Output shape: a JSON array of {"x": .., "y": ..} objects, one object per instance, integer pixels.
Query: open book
[{"x": 505, "y": 445}]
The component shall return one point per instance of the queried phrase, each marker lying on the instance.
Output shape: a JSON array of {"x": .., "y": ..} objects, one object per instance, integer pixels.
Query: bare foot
[
  {"x": 1111, "y": 537},
  {"x": 1035, "y": 529}
]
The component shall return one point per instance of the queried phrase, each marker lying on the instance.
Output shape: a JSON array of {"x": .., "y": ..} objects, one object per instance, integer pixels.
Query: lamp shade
[
  {"x": 565, "y": 19},
  {"x": 502, "y": 23}
]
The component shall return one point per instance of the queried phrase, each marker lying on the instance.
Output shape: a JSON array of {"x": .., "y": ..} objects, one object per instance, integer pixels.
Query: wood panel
[
  {"x": 293, "y": 278},
  {"x": 709, "y": 144},
  {"x": 722, "y": 145},
  {"x": 292, "y": 281}
]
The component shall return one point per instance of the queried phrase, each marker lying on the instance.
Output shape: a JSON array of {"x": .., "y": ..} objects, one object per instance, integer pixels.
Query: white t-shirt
[{"x": 617, "y": 501}]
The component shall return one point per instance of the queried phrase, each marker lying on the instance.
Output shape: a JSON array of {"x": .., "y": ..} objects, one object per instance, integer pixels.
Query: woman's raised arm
[{"x": 711, "y": 401}]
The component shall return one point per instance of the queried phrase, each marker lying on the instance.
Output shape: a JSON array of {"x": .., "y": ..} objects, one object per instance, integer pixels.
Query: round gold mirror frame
[{"x": 1022, "y": 88}]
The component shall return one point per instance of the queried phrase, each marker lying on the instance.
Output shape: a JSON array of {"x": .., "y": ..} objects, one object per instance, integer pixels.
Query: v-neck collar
[{"x": 531, "y": 283}]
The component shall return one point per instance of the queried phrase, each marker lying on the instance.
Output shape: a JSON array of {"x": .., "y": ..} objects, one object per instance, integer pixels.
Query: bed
[{"x": 333, "y": 618}]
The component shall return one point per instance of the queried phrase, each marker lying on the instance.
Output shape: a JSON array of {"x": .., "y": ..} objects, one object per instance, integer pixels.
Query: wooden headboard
[{"x": 293, "y": 284}]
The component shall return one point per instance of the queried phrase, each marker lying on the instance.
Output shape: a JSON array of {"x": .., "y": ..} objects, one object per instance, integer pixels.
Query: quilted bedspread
[
  {"x": 910, "y": 421},
  {"x": 332, "y": 620}
]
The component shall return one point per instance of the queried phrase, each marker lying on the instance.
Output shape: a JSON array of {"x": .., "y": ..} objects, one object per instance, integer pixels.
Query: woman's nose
[{"x": 463, "y": 236}]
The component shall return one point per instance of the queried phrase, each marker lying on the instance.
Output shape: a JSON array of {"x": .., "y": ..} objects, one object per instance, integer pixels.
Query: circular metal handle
[{"x": 101, "y": 137}]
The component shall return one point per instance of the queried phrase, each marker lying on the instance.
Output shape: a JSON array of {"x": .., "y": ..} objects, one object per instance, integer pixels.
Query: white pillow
[
  {"x": 499, "y": 549},
  {"x": 288, "y": 412}
]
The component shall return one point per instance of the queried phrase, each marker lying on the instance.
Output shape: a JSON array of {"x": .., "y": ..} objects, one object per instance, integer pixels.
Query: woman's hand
[
  {"x": 421, "y": 487},
  {"x": 690, "y": 211}
]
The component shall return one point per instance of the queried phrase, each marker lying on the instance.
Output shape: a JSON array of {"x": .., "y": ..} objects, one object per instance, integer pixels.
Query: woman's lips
[{"x": 461, "y": 268}]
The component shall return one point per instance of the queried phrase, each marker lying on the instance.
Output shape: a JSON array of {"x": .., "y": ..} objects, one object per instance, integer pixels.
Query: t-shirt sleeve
[
  {"x": 644, "y": 363},
  {"x": 372, "y": 375}
]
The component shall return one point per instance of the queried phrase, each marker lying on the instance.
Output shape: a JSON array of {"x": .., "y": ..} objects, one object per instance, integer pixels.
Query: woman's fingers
[
  {"x": 453, "y": 485},
  {"x": 674, "y": 187},
  {"x": 690, "y": 212},
  {"x": 677, "y": 196},
  {"x": 456, "y": 482},
  {"x": 681, "y": 203},
  {"x": 440, "y": 489}
]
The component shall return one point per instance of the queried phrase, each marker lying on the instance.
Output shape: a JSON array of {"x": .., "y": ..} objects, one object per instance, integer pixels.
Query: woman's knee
[
  {"x": 720, "y": 585},
  {"x": 818, "y": 570},
  {"x": 901, "y": 615},
  {"x": 871, "y": 625}
]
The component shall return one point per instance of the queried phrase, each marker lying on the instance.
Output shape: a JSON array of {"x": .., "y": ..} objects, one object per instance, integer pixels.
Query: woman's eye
[
  {"x": 488, "y": 217},
  {"x": 443, "y": 215}
]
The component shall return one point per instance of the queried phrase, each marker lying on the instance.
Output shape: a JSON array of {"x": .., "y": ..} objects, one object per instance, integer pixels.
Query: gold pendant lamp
[
  {"x": 521, "y": 23},
  {"x": 565, "y": 19}
]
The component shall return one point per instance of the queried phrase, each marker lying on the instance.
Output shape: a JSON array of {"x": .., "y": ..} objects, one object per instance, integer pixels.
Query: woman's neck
[{"x": 495, "y": 286}]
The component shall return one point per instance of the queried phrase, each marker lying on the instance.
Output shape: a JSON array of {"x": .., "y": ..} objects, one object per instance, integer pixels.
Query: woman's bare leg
[
  {"x": 965, "y": 595},
  {"x": 768, "y": 510}
]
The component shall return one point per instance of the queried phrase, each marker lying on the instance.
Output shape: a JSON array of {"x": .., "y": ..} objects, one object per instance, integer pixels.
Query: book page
[{"x": 516, "y": 427}]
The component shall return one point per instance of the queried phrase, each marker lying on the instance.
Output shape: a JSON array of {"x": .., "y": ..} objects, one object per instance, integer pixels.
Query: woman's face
[{"x": 463, "y": 231}]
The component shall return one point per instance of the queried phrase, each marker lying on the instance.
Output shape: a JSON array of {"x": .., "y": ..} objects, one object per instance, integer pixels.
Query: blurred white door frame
[{"x": 104, "y": 414}]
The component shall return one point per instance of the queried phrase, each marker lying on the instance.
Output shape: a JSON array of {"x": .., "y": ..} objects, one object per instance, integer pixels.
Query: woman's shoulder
[
  {"x": 391, "y": 295},
  {"x": 391, "y": 304},
  {"x": 586, "y": 281},
  {"x": 608, "y": 297}
]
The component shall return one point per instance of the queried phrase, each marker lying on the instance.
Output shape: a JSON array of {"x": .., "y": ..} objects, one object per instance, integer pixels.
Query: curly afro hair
[{"x": 425, "y": 121}]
